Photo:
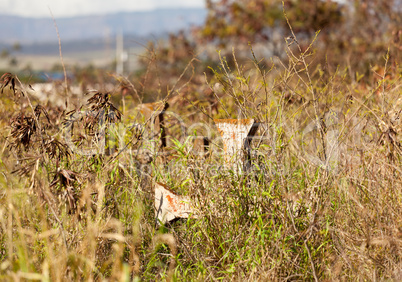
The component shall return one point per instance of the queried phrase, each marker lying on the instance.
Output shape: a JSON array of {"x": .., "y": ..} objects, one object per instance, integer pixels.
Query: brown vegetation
[{"x": 321, "y": 199}]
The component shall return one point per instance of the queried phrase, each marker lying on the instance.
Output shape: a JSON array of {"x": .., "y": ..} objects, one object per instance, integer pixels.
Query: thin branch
[{"x": 61, "y": 57}]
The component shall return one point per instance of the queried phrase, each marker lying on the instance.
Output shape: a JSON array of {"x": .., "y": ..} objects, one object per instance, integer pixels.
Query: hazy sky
[{"x": 66, "y": 8}]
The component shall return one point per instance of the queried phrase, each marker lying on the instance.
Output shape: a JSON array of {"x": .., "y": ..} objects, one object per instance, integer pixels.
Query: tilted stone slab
[
  {"x": 169, "y": 205},
  {"x": 236, "y": 136}
]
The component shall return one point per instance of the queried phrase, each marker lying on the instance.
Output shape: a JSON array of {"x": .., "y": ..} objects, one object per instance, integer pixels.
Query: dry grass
[{"x": 322, "y": 200}]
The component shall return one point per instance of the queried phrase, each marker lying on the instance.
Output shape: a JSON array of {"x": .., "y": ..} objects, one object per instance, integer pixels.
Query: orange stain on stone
[{"x": 174, "y": 203}]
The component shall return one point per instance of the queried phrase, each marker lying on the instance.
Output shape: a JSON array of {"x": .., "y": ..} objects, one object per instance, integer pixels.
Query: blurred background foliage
[
  {"x": 353, "y": 35},
  {"x": 355, "y": 32}
]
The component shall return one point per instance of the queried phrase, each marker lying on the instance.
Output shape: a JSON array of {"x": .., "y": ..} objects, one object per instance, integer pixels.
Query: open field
[
  {"x": 98, "y": 59},
  {"x": 40, "y": 63},
  {"x": 315, "y": 193}
]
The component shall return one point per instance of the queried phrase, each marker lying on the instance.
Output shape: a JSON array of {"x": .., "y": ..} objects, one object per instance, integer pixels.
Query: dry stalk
[{"x": 61, "y": 58}]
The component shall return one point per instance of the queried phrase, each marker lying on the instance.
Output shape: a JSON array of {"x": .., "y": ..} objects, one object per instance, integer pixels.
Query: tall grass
[{"x": 321, "y": 201}]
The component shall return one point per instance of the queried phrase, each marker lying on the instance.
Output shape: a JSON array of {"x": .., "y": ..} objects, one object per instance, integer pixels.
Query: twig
[
  {"x": 264, "y": 80},
  {"x": 62, "y": 230},
  {"x": 302, "y": 58},
  {"x": 61, "y": 57},
  {"x": 219, "y": 100},
  {"x": 311, "y": 261}
]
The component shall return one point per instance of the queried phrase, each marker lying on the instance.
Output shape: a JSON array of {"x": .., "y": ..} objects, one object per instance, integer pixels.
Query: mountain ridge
[{"x": 139, "y": 23}]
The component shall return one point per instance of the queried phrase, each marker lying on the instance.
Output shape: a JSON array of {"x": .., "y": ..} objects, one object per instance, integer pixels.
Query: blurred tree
[
  {"x": 17, "y": 46},
  {"x": 371, "y": 28},
  {"x": 252, "y": 20},
  {"x": 5, "y": 53},
  {"x": 173, "y": 54},
  {"x": 165, "y": 62},
  {"x": 356, "y": 33},
  {"x": 13, "y": 62}
]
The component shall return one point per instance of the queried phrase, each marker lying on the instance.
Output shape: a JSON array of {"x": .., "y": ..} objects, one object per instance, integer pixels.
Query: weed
[{"x": 319, "y": 200}]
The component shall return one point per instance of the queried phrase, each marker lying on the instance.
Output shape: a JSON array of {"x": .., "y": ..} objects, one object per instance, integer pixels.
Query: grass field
[{"x": 322, "y": 199}]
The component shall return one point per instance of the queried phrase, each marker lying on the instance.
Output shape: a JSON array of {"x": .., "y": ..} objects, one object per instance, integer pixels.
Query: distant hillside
[
  {"x": 69, "y": 47},
  {"x": 139, "y": 24}
]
